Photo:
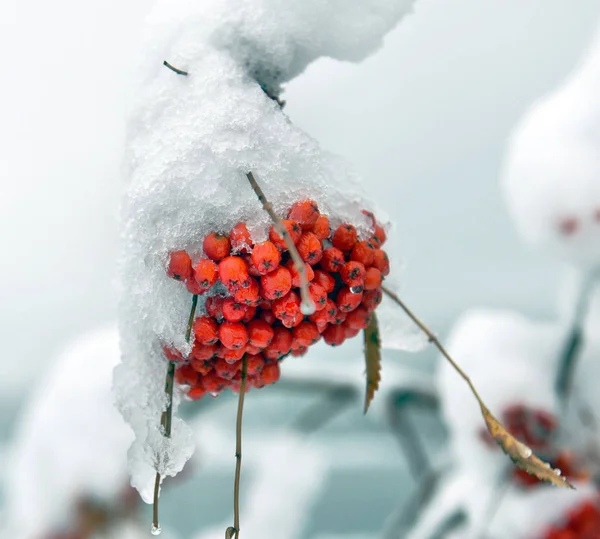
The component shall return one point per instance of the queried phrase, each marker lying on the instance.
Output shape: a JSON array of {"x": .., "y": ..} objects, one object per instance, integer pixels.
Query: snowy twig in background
[
  {"x": 173, "y": 68},
  {"x": 167, "y": 416},
  {"x": 307, "y": 306},
  {"x": 521, "y": 454}
]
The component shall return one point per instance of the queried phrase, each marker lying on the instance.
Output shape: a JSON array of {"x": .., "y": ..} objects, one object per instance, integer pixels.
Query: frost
[
  {"x": 551, "y": 171},
  {"x": 192, "y": 139}
]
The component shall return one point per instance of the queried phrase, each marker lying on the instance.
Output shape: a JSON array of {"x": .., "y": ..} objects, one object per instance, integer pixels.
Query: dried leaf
[
  {"x": 230, "y": 532},
  {"x": 372, "y": 359},
  {"x": 521, "y": 454}
]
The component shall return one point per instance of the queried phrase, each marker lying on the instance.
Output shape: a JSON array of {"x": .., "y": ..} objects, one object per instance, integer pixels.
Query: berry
[
  {"x": 172, "y": 354},
  {"x": 353, "y": 274},
  {"x": 287, "y": 307},
  {"x": 373, "y": 279},
  {"x": 318, "y": 294},
  {"x": 185, "y": 375},
  {"x": 233, "y": 273},
  {"x": 310, "y": 248},
  {"x": 260, "y": 333},
  {"x": 332, "y": 260},
  {"x": 253, "y": 350},
  {"x": 214, "y": 307},
  {"x": 293, "y": 229},
  {"x": 334, "y": 335},
  {"x": 225, "y": 369},
  {"x": 305, "y": 213},
  {"x": 205, "y": 330},
  {"x": 255, "y": 364},
  {"x": 363, "y": 252},
  {"x": 233, "y": 334},
  {"x": 344, "y": 237},
  {"x": 304, "y": 335},
  {"x": 347, "y": 300},
  {"x": 250, "y": 314},
  {"x": 325, "y": 279},
  {"x": 296, "y": 282},
  {"x": 233, "y": 355},
  {"x": 270, "y": 373},
  {"x": 372, "y": 298},
  {"x": 276, "y": 284},
  {"x": 201, "y": 366},
  {"x": 216, "y": 246},
  {"x": 280, "y": 345},
  {"x": 196, "y": 393},
  {"x": 265, "y": 257},
  {"x": 293, "y": 321},
  {"x": 205, "y": 274},
  {"x": 325, "y": 316},
  {"x": 268, "y": 317},
  {"x": 381, "y": 261},
  {"x": 252, "y": 269},
  {"x": 180, "y": 265},
  {"x": 321, "y": 228},
  {"x": 379, "y": 236},
  {"x": 234, "y": 311},
  {"x": 250, "y": 295},
  {"x": 359, "y": 318},
  {"x": 349, "y": 332},
  {"x": 240, "y": 239},
  {"x": 204, "y": 351},
  {"x": 193, "y": 287},
  {"x": 213, "y": 383},
  {"x": 299, "y": 351}
]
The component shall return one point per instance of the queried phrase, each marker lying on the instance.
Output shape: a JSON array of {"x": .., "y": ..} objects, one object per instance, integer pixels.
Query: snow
[
  {"x": 551, "y": 171},
  {"x": 191, "y": 140},
  {"x": 70, "y": 440}
]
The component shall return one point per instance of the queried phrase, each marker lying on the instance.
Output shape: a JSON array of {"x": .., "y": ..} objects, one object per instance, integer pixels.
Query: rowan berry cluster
[
  {"x": 252, "y": 298},
  {"x": 582, "y": 522}
]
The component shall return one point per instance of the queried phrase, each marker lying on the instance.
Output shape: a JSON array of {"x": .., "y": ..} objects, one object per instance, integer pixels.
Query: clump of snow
[
  {"x": 191, "y": 140},
  {"x": 70, "y": 440},
  {"x": 551, "y": 171}
]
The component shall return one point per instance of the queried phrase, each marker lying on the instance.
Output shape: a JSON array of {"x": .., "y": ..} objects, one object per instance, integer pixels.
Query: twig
[
  {"x": 173, "y": 68},
  {"x": 433, "y": 340},
  {"x": 238, "y": 450},
  {"x": 166, "y": 417},
  {"x": 307, "y": 306}
]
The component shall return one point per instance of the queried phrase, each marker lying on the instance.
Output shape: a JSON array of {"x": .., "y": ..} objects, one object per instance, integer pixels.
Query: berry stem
[
  {"x": 173, "y": 68},
  {"x": 238, "y": 450},
  {"x": 166, "y": 417},
  {"x": 308, "y": 306}
]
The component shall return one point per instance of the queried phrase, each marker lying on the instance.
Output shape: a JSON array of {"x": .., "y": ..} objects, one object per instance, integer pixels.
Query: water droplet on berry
[
  {"x": 156, "y": 530},
  {"x": 557, "y": 471},
  {"x": 307, "y": 307},
  {"x": 356, "y": 289}
]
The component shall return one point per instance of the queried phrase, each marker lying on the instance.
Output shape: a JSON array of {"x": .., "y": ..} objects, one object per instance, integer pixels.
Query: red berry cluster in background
[
  {"x": 582, "y": 522},
  {"x": 253, "y": 301},
  {"x": 536, "y": 427}
]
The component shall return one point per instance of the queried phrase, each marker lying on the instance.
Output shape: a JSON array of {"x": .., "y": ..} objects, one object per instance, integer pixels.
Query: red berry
[
  {"x": 381, "y": 261},
  {"x": 233, "y": 334},
  {"x": 260, "y": 333},
  {"x": 373, "y": 279},
  {"x": 252, "y": 350},
  {"x": 214, "y": 306},
  {"x": 172, "y": 354},
  {"x": 287, "y": 307},
  {"x": 296, "y": 282},
  {"x": 305, "y": 213},
  {"x": 205, "y": 274},
  {"x": 353, "y": 274},
  {"x": 372, "y": 298},
  {"x": 321, "y": 228},
  {"x": 349, "y": 332},
  {"x": 379, "y": 236},
  {"x": 359, "y": 318},
  {"x": 250, "y": 295},
  {"x": 205, "y": 330},
  {"x": 293, "y": 229},
  {"x": 250, "y": 314},
  {"x": 252, "y": 269},
  {"x": 305, "y": 334},
  {"x": 193, "y": 287},
  {"x": 293, "y": 321},
  {"x": 184, "y": 374},
  {"x": 270, "y": 373},
  {"x": 334, "y": 335},
  {"x": 234, "y": 311},
  {"x": 265, "y": 257},
  {"x": 310, "y": 248},
  {"x": 332, "y": 260},
  {"x": 325, "y": 279},
  {"x": 233, "y": 355},
  {"x": 363, "y": 252},
  {"x": 318, "y": 294},
  {"x": 226, "y": 370},
  {"x": 276, "y": 284},
  {"x": 240, "y": 239},
  {"x": 299, "y": 351},
  {"x": 213, "y": 383},
  {"x": 204, "y": 351},
  {"x": 344, "y": 237},
  {"x": 233, "y": 273},
  {"x": 268, "y": 317},
  {"x": 202, "y": 366},
  {"x": 325, "y": 316},
  {"x": 255, "y": 364},
  {"x": 180, "y": 265},
  {"x": 347, "y": 300},
  {"x": 196, "y": 393},
  {"x": 216, "y": 246},
  {"x": 280, "y": 345}
]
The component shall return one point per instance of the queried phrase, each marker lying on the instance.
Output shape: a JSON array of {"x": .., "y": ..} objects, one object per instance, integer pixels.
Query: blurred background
[{"x": 425, "y": 121}]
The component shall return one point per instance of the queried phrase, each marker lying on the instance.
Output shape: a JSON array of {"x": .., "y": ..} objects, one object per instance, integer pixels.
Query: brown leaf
[
  {"x": 230, "y": 532},
  {"x": 372, "y": 359},
  {"x": 521, "y": 454}
]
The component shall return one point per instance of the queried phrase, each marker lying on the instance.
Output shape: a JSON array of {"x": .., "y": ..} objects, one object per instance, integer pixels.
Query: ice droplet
[
  {"x": 356, "y": 289},
  {"x": 307, "y": 307},
  {"x": 557, "y": 471},
  {"x": 526, "y": 452},
  {"x": 156, "y": 530},
  {"x": 214, "y": 394}
]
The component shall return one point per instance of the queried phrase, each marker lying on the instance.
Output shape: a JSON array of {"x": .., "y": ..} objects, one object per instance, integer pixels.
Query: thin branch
[
  {"x": 173, "y": 68},
  {"x": 166, "y": 418},
  {"x": 238, "y": 450},
  {"x": 308, "y": 306}
]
